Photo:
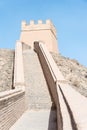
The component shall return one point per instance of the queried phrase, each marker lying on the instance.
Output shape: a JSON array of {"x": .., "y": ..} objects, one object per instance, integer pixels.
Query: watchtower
[{"x": 44, "y": 32}]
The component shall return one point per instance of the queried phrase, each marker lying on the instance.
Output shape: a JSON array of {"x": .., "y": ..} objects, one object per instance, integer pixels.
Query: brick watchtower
[{"x": 39, "y": 32}]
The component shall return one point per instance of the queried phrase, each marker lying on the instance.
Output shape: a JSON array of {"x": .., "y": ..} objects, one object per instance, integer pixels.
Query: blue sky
[{"x": 68, "y": 16}]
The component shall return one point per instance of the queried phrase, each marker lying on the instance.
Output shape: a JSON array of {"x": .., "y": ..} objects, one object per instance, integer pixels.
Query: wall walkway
[
  {"x": 52, "y": 103},
  {"x": 37, "y": 92},
  {"x": 40, "y": 114}
]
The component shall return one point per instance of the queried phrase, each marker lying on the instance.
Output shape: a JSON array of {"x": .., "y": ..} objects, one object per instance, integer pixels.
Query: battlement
[
  {"x": 40, "y": 31},
  {"x": 40, "y": 25}
]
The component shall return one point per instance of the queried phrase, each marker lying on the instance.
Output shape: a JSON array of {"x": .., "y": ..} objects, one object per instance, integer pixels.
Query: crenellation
[
  {"x": 32, "y": 22},
  {"x": 40, "y": 31},
  {"x": 48, "y": 21},
  {"x": 40, "y": 25},
  {"x": 24, "y": 24},
  {"x": 32, "y": 26},
  {"x": 40, "y": 22}
]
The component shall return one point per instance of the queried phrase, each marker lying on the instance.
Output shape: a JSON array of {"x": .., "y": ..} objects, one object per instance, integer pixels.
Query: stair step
[{"x": 37, "y": 93}]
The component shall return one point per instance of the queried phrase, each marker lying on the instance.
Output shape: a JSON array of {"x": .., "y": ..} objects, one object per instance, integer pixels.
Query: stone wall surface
[
  {"x": 6, "y": 69},
  {"x": 73, "y": 71}
]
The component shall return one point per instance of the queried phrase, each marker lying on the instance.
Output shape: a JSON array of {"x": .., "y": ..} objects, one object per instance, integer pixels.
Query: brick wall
[
  {"x": 12, "y": 102},
  {"x": 12, "y": 106}
]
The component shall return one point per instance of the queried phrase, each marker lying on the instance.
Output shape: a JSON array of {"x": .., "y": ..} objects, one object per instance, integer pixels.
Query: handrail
[
  {"x": 13, "y": 71},
  {"x": 9, "y": 92},
  {"x": 51, "y": 79},
  {"x": 71, "y": 120},
  {"x": 53, "y": 74},
  {"x": 13, "y": 101},
  {"x": 54, "y": 69},
  {"x": 19, "y": 72}
]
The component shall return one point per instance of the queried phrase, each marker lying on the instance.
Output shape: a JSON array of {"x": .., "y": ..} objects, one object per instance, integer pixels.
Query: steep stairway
[
  {"x": 37, "y": 92},
  {"x": 40, "y": 114}
]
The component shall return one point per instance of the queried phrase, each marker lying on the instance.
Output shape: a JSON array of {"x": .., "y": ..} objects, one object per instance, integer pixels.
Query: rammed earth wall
[{"x": 6, "y": 69}]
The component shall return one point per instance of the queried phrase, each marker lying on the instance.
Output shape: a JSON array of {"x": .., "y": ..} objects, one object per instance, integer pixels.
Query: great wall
[{"x": 35, "y": 95}]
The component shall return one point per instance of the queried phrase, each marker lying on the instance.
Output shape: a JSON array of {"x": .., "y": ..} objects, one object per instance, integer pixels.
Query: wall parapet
[
  {"x": 51, "y": 74},
  {"x": 48, "y": 25},
  {"x": 18, "y": 69},
  {"x": 9, "y": 93},
  {"x": 12, "y": 106},
  {"x": 45, "y": 32},
  {"x": 52, "y": 65},
  {"x": 13, "y": 102}
]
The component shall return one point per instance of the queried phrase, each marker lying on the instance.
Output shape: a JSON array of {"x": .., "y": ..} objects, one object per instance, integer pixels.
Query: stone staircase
[
  {"x": 40, "y": 114},
  {"x": 37, "y": 92}
]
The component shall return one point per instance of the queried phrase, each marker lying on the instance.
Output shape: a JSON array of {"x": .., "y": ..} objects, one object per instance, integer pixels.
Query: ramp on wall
[{"x": 40, "y": 114}]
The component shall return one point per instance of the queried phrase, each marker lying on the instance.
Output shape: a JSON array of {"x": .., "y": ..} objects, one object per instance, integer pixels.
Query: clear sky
[{"x": 68, "y": 16}]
